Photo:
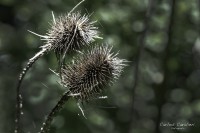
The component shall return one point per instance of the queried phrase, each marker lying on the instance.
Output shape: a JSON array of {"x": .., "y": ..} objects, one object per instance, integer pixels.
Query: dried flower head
[
  {"x": 68, "y": 33},
  {"x": 91, "y": 72}
]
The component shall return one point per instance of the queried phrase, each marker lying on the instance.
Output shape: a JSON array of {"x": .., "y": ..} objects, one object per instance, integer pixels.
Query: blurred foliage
[{"x": 121, "y": 23}]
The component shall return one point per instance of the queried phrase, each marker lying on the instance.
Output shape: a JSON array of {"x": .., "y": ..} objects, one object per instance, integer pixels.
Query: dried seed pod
[
  {"x": 91, "y": 72},
  {"x": 68, "y": 33},
  {"x": 86, "y": 77}
]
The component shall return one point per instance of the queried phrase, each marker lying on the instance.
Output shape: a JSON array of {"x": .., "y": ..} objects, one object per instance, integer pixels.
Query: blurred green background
[{"x": 167, "y": 88}]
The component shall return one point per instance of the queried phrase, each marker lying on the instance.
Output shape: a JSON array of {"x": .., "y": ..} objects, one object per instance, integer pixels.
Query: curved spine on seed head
[{"x": 91, "y": 72}]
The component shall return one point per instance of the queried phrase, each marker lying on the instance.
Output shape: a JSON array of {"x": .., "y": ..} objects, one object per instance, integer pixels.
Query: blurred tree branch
[
  {"x": 139, "y": 54},
  {"x": 162, "y": 89}
]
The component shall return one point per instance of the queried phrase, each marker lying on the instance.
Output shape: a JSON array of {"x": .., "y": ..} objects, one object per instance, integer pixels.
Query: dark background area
[{"x": 161, "y": 83}]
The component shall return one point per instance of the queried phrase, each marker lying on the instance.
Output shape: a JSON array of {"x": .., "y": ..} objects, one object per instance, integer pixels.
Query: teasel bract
[
  {"x": 68, "y": 33},
  {"x": 86, "y": 77},
  {"x": 91, "y": 72}
]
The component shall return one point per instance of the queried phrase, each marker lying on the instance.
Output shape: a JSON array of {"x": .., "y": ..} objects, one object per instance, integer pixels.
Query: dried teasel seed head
[
  {"x": 70, "y": 32},
  {"x": 91, "y": 72},
  {"x": 67, "y": 33}
]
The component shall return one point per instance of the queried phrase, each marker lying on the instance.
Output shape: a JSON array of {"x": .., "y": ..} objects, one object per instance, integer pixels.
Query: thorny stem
[
  {"x": 19, "y": 97},
  {"x": 46, "y": 125},
  {"x": 141, "y": 48}
]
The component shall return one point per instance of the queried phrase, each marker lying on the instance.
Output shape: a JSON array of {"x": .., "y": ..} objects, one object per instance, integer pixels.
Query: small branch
[
  {"x": 141, "y": 48},
  {"x": 46, "y": 125}
]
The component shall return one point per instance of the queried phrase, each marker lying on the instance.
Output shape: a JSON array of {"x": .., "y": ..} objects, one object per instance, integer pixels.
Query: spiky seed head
[
  {"x": 91, "y": 72},
  {"x": 71, "y": 31}
]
